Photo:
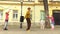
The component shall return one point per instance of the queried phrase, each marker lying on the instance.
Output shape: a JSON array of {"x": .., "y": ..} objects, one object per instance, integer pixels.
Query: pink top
[
  {"x": 7, "y": 16},
  {"x": 52, "y": 19}
]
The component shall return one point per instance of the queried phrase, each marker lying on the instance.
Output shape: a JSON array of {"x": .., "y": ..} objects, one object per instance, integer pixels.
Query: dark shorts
[{"x": 6, "y": 20}]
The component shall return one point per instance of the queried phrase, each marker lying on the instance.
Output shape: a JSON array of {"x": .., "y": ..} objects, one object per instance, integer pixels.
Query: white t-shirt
[{"x": 42, "y": 22}]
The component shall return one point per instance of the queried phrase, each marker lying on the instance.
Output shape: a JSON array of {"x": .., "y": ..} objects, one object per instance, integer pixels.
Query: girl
[{"x": 52, "y": 22}]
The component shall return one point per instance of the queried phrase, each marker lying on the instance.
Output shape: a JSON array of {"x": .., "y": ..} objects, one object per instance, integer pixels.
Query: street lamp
[{"x": 21, "y": 17}]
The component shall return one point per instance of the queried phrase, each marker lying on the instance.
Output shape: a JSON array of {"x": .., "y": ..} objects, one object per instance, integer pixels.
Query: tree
[{"x": 45, "y": 2}]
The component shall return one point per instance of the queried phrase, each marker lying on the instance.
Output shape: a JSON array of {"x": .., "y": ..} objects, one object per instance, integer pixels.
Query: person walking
[
  {"x": 6, "y": 20},
  {"x": 42, "y": 20},
  {"x": 27, "y": 16},
  {"x": 52, "y": 23}
]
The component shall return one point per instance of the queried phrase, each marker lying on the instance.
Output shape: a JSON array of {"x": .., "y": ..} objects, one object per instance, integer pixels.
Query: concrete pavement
[{"x": 34, "y": 30}]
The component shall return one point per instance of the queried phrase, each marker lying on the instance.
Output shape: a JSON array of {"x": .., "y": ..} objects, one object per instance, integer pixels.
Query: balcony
[
  {"x": 19, "y": 0},
  {"x": 40, "y": 1},
  {"x": 9, "y": 0},
  {"x": 51, "y": 2},
  {"x": 16, "y": 3},
  {"x": 54, "y": 2}
]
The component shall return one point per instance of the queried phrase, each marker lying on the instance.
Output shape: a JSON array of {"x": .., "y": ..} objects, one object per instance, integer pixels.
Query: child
[
  {"x": 42, "y": 23},
  {"x": 52, "y": 23},
  {"x": 6, "y": 20}
]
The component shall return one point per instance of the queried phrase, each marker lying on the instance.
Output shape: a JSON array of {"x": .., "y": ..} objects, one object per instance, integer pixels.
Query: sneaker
[
  {"x": 5, "y": 29},
  {"x": 52, "y": 28},
  {"x": 28, "y": 30}
]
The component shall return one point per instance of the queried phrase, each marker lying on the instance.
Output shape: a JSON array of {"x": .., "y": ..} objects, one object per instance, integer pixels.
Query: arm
[
  {"x": 8, "y": 10},
  {"x": 25, "y": 15}
]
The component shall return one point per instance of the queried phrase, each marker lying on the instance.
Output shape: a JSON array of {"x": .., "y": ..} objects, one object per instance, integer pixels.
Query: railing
[
  {"x": 28, "y": 0},
  {"x": 50, "y": 1},
  {"x": 9, "y": 0},
  {"x": 40, "y": 0},
  {"x": 55, "y": 1},
  {"x": 19, "y": 0}
]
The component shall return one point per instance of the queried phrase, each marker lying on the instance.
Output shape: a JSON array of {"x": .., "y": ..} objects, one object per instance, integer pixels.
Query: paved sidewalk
[{"x": 34, "y": 30}]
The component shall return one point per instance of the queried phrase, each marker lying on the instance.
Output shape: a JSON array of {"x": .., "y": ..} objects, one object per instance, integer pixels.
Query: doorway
[{"x": 56, "y": 15}]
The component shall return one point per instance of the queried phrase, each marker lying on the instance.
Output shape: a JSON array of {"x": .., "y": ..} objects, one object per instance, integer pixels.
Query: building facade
[{"x": 15, "y": 12}]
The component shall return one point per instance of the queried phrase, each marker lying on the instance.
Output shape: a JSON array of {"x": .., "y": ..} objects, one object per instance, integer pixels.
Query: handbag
[{"x": 21, "y": 18}]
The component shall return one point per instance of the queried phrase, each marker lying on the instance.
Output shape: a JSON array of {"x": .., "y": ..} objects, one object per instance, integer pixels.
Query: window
[
  {"x": 1, "y": 14},
  {"x": 15, "y": 14}
]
